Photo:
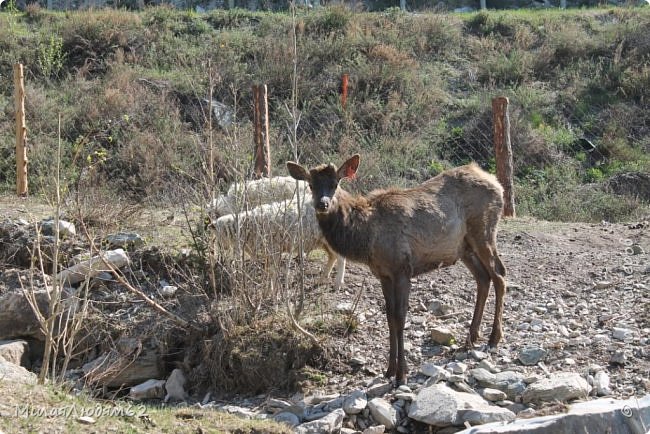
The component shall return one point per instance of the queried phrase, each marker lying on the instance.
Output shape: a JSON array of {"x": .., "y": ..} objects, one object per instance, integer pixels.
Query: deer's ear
[
  {"x": 349, "y": 168},
  {"x": 298, "y": 172}
]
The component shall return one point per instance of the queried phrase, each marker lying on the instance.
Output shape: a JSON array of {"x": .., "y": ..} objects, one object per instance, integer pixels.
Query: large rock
[
  {"x": 175, "y": 386},
  {"x": 442, "y": 406},
  {"x": 10, "y": 372},
  {"x": 383, "y": 412},
  {"x": 329, "y": 424},
  {"x": 16, "y": 352},
  {"x": 124, "y": 240},
  {"x": 150, "y": 389},
  {"x": 509, "y": 382},
  {"x": 435, "y": 372},
  {"x": 287, "y": 418},
  {"x": 563, "y": 386},
  {"x": 530, "y": 356},
  {"x": 93, "y": 267},
  {"x": 599, "y": 416},
  {"x": 66, "y": 229},
  {"x": 18, "y": 319},
  {"x": 355, "y": 402},
  {"x": 442, "y": 336},
  {"x": 130, "y": 363}
]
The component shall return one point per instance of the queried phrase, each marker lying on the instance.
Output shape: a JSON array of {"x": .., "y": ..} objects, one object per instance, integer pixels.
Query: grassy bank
[{"x": 131, "y": 89}]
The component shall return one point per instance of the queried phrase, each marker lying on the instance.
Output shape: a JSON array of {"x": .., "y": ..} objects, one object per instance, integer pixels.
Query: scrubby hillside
[{"x": 132, "y": 89}]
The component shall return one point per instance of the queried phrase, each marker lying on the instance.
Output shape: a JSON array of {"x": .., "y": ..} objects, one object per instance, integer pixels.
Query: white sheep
[
  {"x": 273, "y": 228},
  {"x": 252, "y": 193}
]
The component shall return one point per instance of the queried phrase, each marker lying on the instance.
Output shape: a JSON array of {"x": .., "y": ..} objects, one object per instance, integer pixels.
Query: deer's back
[{"x": 428, "y": 223}]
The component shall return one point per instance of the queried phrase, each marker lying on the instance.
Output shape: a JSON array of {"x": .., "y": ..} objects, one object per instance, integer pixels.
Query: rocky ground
[{"x": 576, "y": 326}]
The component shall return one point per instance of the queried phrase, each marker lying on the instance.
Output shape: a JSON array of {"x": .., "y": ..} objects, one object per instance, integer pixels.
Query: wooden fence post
[
  {"x": 261, "y": 132},
  {"x": 21, "y": 131},
  {"x": 345, "y": 78},
  {"x": 503, "y": 152}
]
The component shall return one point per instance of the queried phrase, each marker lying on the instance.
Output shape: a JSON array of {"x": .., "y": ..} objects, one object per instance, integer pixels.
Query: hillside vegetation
[{"x": 131, "y": 88}]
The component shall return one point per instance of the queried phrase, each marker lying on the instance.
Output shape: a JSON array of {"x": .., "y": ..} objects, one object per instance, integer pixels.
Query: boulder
[
  {"x": 287, "y": 418},
  {"x": 436, "y": 373},
  {"x": 10, "y": 372},
  {"x": 130, "y": 363},
  {"x": 16, "y": 352},
  {"x": 507, "y": 381},
  {"x": 150, "y": 389},
  {"x": 493, "y": 394},
  {"x": 563, "y": 386},
  {"x": 442, "y": 336},
  {"x": 603, "y": 415},
  {"x": 331, "y": 423},
  {"x": 531, "y": 355},
  {"x": 175, "y": 386},
  {"x": 355, "y": 402},
  {"x": 18, "y": 319},
  {"x": 383, "y": 412},
  {"x": 124, "y": 240},
  {"x": 94, "y": 267},
  {"x": 442, "y": 406},
  {"x": 66, "y": 229}
]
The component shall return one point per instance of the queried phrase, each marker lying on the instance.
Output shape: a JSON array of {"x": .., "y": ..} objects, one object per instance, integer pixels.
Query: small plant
[
  {"x": 594, "y": 174},
  {"x": 51, "y": 57}
]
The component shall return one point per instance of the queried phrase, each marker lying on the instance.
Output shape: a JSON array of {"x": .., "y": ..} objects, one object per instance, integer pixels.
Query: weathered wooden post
[
  {"x": 503, "y": 152},
  {"x": 345, "y": 78},
  {"x": 21, "y": 131},
  {"x": 261, "y": 132}
]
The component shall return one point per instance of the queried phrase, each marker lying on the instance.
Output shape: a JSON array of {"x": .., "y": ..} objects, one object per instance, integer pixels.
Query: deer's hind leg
[
  {"x": 485, "y": 249},
  {"x": 482, "y": 278}
]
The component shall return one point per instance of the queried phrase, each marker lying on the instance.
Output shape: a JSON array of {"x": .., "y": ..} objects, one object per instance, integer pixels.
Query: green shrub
[{"x": 51, "y": 57}]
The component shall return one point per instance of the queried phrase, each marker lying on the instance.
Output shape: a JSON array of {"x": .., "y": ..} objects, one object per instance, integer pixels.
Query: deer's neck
[{"x": 346, "y": 227}]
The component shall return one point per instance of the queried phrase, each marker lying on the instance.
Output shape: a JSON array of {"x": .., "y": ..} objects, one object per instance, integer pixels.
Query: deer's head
[{"x": 323, "y": 180}]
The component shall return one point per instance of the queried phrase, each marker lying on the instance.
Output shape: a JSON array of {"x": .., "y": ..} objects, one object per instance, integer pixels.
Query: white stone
[
  {"x": 10, "y": 372},
  {"x": 86, "y": 420},
  {"x": 150, "y": 389},
  {"x": 355, "y": 402},
  {"x": 383, "y": 412},
  {"x": 175, "y": 386},
  {"x": 601, "y": 383},
  {"x": 377, "y": 429},
  {"x": 16, "y": 352},
  {"x": 437, "y": 373},
  {"x": 457, "y": 367},
  {"x": 563, "y": 386},
  {"x": 115, "y": 258},
  {"x": 438, "y": 405},
  {"x": 622, "y": 334},
  {"x": 287, "y": 418},
  {"x": 493, "y": 394},
  {"x": 168, "y": 291},
  {"x": 602, "y": 415},
  {"x": 442, "y": 336},
  {"x": 331, "y": 423}
]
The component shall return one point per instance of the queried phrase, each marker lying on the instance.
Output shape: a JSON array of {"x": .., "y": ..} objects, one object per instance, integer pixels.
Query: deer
[{"x": 400, "y": 233}]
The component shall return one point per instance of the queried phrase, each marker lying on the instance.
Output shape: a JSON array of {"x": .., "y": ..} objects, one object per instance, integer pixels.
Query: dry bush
[
  {"x": 434, "y": 34},
  {"x": 262, "y": 356},
  {"x": 91, "y": 40}
]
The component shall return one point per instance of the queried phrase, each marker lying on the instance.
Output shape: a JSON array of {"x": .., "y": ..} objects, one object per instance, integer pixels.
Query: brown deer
[{"x": 401, "y": 233}]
